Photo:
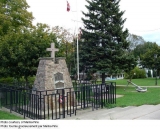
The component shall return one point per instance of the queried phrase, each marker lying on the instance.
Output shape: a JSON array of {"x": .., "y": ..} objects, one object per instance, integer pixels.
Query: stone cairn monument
[{"x": 52, "y": 76}]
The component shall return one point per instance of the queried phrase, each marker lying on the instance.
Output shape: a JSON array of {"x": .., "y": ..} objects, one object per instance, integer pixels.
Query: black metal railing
[{"x": 56, "y": 104}]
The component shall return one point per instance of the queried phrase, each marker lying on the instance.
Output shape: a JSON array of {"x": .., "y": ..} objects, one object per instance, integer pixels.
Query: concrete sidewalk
[{"x": 144, "y": 112}]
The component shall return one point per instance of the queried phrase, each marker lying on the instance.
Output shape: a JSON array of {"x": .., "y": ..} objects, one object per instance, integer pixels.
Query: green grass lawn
[
  {"x": 8, "y": 116},
  {"x": 140, "y": 82},
  {"x": 133, "y": 98}
]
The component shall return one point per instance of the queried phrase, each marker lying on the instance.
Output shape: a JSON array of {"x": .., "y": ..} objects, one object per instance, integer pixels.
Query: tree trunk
[
  {"x": 103, "y": 78},
  {"x": 26, "y": 81}
]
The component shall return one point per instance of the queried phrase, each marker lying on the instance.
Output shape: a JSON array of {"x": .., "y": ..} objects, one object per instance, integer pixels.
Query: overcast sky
[{"x": 143, "y": 16}]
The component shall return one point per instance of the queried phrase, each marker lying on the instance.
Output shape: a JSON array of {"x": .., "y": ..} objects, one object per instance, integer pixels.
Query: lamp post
[{"x": 155, "y": 57}]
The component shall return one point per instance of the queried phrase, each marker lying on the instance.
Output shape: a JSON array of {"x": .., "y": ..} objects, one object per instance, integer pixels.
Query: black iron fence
[{"x": 56, "y": 104}]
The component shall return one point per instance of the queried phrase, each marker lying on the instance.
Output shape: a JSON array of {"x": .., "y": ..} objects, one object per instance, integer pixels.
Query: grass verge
[
  {"x": 8, "y": 116},
  {"x": 139, "y": 82},
  {"x": 133, "y": 98}
]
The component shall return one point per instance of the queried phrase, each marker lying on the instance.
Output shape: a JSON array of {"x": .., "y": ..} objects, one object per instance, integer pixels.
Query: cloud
[
  {"x": 152, "y": 37},
  {"x": 142, "y": 15},
  {"x": 142, "y": 18}
]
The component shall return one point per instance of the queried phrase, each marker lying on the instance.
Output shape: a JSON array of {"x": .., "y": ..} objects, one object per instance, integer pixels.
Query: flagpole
[
  {"x": 77, "y": 45},
  {"x": 68, "y": 9},
  {"x": 77, "y": 58}
]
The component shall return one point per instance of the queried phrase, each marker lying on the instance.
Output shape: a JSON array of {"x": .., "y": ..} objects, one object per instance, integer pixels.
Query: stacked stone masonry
[{"x": 50, "y": 74}]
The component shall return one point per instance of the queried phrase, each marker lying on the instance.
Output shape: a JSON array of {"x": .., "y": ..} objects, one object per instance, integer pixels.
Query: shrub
[
  {"x": 7, "y": 80},
  {"x": 31, "y": 79},
  {"x": 12, "y": 80},
  {"x": 136, "y": 73},
  {"x": 126, "y": 76}
]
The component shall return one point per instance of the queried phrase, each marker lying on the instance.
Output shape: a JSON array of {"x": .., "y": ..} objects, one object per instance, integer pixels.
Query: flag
[{"x": 68, "y": 7}]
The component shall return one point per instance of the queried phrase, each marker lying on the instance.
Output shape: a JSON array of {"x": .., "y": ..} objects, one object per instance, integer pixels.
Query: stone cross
[{"x": 53, "y": 50}]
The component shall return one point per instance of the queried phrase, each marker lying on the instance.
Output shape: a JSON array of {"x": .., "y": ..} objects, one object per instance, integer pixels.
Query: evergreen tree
[{"x": 104, "y": 40}]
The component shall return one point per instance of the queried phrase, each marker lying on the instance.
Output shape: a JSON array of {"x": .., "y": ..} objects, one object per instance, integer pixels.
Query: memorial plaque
[
  {"x": 59, "y": 85},
  {"x": 58, "y": 77}
]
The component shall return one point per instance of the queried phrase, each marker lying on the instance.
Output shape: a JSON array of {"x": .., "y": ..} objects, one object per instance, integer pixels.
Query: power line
[
  {"x": 76, "y": 21},
  {"x": 147, "y": 30}
]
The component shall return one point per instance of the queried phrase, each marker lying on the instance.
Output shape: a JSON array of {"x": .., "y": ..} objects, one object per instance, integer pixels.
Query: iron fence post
[
  {"x": 10, "y": 101},
  {"x": 101, "y": 96},
  {"x": 44, "y": 107},
  {"x": 24, "y": 99},
  {"x": 84, "y": 104},
  {"x": 63, "y": 102}
]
